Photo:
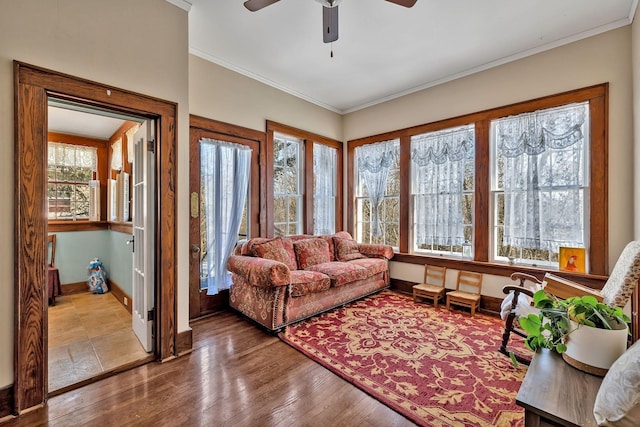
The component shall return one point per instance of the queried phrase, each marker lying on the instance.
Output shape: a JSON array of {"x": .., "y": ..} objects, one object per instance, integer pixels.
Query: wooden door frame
[
  {"x": 201, "y": 127},
  {"x": 32, "y": 88}
]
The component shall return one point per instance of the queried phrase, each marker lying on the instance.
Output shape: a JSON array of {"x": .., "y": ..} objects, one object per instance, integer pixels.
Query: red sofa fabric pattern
[{"x": 310, "y": 252}]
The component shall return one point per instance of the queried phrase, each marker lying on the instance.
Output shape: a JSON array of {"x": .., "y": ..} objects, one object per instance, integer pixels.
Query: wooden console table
[{"x": 554, "y": 393}]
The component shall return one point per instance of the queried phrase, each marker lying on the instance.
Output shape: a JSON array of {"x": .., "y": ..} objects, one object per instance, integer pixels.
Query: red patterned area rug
[{"x": 435, "y": 367}]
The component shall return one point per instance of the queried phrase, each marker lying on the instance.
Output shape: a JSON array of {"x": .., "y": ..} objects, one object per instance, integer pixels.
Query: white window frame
[
  {"x": 75, "y": 184},
  {"x": 465, "y": 192},
  {"x": 552, "y": 261},
  {"x": 282, "y": 228},
  {"x": 360, "y": 199},
  {"x": 319, "y": 197}
]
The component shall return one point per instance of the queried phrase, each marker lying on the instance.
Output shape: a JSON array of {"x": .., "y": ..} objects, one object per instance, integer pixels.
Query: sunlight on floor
[{"x": 88, "y": 334}]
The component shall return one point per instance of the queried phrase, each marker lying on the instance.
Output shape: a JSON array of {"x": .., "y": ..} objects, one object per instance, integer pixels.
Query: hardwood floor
[
  {"x": 89, "y": 336},
  {"x": 237, "y": 375}
]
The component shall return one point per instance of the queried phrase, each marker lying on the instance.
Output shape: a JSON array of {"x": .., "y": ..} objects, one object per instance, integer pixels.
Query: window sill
[
  {"x": 499, "y": 269},
  {"x": 60, "y": 226},
  {"x": 121, "y": 227}
]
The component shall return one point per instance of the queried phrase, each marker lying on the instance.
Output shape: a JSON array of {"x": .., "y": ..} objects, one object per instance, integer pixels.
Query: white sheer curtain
[
  {"x": 224, "y": 169},
  {"x": 324, "y": 171},
  {"x": 116, "y": 155},
  {"x": 542, "y": 160},
  {"x": 439, "y": 161},
  {"x": 374, "y": 162},
  {"x": 74, "y": 156}
]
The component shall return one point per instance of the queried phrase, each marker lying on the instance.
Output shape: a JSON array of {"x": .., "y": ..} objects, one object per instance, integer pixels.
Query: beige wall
[
  {"x": 603, "y": 58},
  {"x": 141, "y": 46},
  {"x": 218, "y": 93}
]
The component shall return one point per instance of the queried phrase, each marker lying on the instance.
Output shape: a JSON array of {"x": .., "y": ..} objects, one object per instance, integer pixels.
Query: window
[
  {"x": 71, "y": 171},
  {"x": 516, "y": 182},
  {"x": 287, "y": 185},
  {"x": 539, "y": 183},
  {"x": 304, "y": 195},
  {"x": 378, "y": 193},
  {"x": 325, "y": 172},
  {"x": 442, "y": 188}
]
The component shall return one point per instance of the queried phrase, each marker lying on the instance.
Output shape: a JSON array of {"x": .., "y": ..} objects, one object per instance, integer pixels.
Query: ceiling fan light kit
[{"x": 329, "y": 14}]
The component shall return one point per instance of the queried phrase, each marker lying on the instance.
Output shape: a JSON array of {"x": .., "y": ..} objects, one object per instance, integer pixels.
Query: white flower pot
[{"x": 594, "y": 350}]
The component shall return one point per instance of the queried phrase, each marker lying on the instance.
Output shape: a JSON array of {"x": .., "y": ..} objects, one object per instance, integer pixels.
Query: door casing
[{"x": 32, "y": 88}]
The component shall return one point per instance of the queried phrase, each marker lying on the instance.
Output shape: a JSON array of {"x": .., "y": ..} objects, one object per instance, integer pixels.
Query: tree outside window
[
  {"x": 287, "y": 185},
  {"x": 442, "y": 189},
  {"x": 540, "y": 182},
  {"x": 378, "y": 193},
  {"x": 70, "y": 170}
]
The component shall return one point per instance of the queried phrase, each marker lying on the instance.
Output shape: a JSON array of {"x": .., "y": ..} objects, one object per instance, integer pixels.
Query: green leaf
[
  {"x": 590, "y": 300},
  {"x": 531, "y": 324},
  {"x": 539, "y": 297},
  {"x": 561, "y": 348},
  {"x": 532, "y": 342},
  {"x": 513, "y": 359}
]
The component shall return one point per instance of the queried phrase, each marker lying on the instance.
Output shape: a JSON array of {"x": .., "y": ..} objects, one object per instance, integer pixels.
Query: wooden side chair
[
  {"x": 53, "y": 275},
  {"x": 467, "y": 293},
  {"x": 433, "y": 286},
  {"x": 616, "y": 292}
]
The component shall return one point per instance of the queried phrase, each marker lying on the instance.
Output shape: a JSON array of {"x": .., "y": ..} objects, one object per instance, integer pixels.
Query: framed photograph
[{"x": 572, "y": 259}]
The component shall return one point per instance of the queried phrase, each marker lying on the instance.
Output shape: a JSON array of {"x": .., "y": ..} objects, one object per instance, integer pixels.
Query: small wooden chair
[
  {"x": 433, "y": 286},
  {"x": 464, "y": 298}
]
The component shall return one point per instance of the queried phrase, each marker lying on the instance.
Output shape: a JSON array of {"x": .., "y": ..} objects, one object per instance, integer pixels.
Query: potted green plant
[{"x": 589, "y": 334}]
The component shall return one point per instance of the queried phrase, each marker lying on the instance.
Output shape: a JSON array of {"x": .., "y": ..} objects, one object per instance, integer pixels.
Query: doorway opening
[{"x": 90, "y": 212}]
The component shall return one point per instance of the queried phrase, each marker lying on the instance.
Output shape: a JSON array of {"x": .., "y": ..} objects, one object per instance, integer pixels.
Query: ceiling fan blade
[
  {"x": 405, "y": 3},
  {"x": 254, "y": 5},
  {"x": 329, "y": 24}
]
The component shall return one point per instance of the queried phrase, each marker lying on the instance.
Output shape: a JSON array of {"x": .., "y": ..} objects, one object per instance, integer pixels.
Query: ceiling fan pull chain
[{"x": 332, "y": 49}]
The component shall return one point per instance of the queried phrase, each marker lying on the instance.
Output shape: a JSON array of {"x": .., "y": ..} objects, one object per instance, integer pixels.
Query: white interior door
[{"x": 143, "y": 235}]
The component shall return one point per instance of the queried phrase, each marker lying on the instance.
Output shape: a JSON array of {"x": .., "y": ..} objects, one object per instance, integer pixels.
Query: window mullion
[
  {"x": 405, "y": 196},
  {"x": 482, "y": 197}
]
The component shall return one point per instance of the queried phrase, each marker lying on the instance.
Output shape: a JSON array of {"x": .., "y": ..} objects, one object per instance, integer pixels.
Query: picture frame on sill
[{"x": 572, "y": 259}]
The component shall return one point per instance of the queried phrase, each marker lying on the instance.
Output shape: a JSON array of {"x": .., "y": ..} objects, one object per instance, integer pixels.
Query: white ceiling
[
  {"x": 81, "y": 123},
  {"x": 385, "y": 50}
]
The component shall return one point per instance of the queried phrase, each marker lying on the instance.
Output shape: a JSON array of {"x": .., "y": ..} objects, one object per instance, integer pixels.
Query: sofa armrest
[
  {"x": 259, "y": 271},
  {"x": 376, "y": 251}
]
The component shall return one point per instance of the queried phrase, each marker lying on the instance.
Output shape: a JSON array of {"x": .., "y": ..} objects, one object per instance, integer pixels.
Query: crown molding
[{"x": 182, "y": 4}]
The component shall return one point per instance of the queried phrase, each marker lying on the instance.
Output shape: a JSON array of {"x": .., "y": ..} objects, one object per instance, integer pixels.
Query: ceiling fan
[{"x": 329, "y": 14}]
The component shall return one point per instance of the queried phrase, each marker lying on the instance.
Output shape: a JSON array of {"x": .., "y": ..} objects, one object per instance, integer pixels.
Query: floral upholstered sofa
[{"x": 284, "y": 280}]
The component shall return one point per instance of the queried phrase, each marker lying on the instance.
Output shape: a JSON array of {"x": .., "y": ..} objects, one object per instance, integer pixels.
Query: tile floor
[{"x": 88, "y": 334}]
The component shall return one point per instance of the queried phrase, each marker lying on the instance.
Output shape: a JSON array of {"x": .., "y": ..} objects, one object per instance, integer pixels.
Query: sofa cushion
[
  {"x": 341, "y": 273},
  {"x": 618, "y": 399},
  {"x": 329, "y": 239},
  {"x": 373, "y": 265},
  {"x": 311, "y": 252},
  {"x": 305, "y": 282},
  {"x": 272, "y": 249},
  {"x": 346, "y": 249},
  {"x": 249, "y": 247},
  {"x": 288, "y": 246}
]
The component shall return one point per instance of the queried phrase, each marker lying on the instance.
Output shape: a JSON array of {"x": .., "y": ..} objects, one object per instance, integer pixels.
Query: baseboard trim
[
  {"x": 74, "y": 288},
  {"x": 489, "y": 305},
  {"x": 6, "y": 402},
  {"x": 184, "y": 342},
  {"x": 120, "y": 295}
]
